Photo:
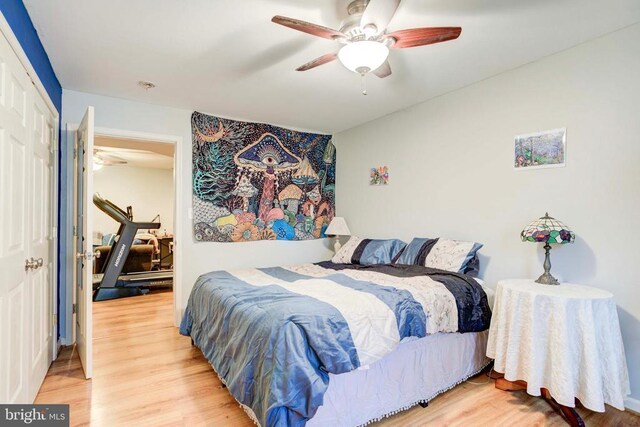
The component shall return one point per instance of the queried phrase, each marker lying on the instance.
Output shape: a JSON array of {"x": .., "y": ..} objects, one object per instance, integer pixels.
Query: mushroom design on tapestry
[
  {"x": 305, "y": 175},
  {"x": 245, "y": 190},
  {"x": 290, "y": 198},
  {"x": 268, "y": 156},
  {"x": 327, "y": 158}
]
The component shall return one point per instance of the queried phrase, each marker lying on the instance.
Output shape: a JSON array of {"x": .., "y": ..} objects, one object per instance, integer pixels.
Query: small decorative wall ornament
[
  {"x": 539, "y": 150},
  {"x": 379, "y": 176}
]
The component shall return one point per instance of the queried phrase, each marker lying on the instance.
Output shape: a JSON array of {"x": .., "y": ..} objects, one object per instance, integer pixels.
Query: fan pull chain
[{"x": 363, "y": 83}]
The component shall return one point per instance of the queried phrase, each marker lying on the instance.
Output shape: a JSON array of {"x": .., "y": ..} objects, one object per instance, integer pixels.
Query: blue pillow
[
  {"x": 414, "y": 251},
  {"x": 368, "y": 251}
]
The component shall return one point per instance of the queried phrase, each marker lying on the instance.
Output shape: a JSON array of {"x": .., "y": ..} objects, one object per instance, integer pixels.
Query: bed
[{"x": 314, "y": 344}]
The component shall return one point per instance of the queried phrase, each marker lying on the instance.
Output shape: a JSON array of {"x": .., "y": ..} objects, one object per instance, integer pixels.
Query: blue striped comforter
[{"x": 274, "y": 334}]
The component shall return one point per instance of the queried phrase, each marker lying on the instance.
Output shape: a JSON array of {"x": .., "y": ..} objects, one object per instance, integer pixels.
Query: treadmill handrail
[
  {"x": 147, "y": 225},
  {"x": 110, "y": 209}
]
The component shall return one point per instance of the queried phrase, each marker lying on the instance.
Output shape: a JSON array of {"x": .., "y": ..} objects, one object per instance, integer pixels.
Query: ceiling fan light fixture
[
  {"x": 363, "y": 56},
  {"x": 370, "y": 30}
]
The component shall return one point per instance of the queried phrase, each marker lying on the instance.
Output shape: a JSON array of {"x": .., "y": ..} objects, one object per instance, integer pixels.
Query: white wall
[
  {"x": 451, "y": 171},
  {"x": 149, "y": 191},
  {"x": 197, "y": 257}
]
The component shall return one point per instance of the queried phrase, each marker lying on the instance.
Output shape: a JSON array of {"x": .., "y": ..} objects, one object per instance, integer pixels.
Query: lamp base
[
  {"x": 547, "y": 278},
  {"x": 337, "y": 245}
]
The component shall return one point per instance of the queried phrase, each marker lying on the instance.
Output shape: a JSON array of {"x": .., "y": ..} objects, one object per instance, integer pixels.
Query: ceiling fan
[
  {"x": 103, "y": 157},
  {"x": 364, "y": 39}
]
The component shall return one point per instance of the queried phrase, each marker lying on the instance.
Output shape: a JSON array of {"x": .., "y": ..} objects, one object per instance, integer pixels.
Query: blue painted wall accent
[{"x": 18, "y": 18}]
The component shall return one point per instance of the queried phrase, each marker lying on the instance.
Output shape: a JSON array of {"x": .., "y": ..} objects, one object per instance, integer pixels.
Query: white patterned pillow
[
  {"x": 345, "y": 253},
  {"x": 451, "y": 255}
]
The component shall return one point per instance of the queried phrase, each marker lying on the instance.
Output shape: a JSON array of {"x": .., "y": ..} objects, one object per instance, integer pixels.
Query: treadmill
[{"x": 110, "y": 283}]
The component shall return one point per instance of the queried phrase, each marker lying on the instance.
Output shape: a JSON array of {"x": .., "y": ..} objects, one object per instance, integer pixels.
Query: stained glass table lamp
[{"x": 547, "y": 230}]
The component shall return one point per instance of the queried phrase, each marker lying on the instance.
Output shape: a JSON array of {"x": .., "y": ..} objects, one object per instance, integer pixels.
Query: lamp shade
[
  {"x": 363, "y": 56},
  {"x": 547, "y": 230},
  {"x": 337, "y": 227}
]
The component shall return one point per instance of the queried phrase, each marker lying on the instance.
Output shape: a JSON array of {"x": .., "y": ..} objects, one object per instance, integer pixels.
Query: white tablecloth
[{"x": 564, "y": 338}]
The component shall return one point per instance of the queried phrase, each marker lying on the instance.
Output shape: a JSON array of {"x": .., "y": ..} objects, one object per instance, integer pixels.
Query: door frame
[
  {"x": 177, "y": 214},
  {"x": 9, "y": 35}
]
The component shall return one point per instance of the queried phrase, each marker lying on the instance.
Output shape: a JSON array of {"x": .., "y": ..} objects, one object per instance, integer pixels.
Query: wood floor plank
[{"x": 146, "y": 374}]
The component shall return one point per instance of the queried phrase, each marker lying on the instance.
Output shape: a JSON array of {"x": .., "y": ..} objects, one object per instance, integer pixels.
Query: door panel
[
  {"x": 40, "y": 246},
  {"x": 18, "y": 98},
  {"x": 17, "y": 387},
  {"x": 37, "y": 202},
  {"x": 37, "y": 317},
  {"x": 84, "y": 242},
  {"x": 14, "y": 241},
  {"x": 17, "y": 209},
  {"x": 26, "y": 212}
]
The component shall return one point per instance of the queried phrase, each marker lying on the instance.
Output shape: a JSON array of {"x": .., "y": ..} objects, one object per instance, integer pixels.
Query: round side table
[{"x": 559, "y": 341}]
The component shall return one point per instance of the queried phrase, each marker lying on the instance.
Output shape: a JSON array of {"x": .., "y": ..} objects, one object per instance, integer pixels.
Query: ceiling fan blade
[
  {"x": 384, "y": 70},
  {"x": 309, "y": 28},
  {"x": 108, "y": 162},
  {"x": 112, "y": 159},
  {"x": 318, "y": 61},
  {"x": 109, "y": 150},
  {"x": 422, "y": 36},
  {"x": 379, "y": 13}
]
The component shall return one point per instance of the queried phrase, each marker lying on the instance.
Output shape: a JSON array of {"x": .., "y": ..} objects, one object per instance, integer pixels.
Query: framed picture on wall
[
  {"x": 547, "y": 149},
  {"x": 379, "y": 176}
]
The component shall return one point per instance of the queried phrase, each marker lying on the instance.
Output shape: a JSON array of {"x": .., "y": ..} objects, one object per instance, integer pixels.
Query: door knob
[
  {"x": 30, "y": 264},
  {"x": 88, "y": 255},
  {"x": 33, "y": 264}
]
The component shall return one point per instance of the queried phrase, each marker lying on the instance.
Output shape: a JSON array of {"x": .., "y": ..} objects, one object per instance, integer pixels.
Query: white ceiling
[
  {"x": 226, "y": 57},
  {"x": 141, "y": 154}
]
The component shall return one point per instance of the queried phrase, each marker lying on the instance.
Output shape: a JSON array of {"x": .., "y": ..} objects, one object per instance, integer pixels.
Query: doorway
[
  {"x": 136, "y": 176},
  {"x": 139, "y": 174}
]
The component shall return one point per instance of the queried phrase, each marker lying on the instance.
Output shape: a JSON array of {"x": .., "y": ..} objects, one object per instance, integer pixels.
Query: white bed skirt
[{"x": 418, "y": 370}]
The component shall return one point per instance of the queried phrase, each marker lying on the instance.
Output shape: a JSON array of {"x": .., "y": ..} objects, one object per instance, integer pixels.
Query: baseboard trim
[{"x": 632, "y": 404}]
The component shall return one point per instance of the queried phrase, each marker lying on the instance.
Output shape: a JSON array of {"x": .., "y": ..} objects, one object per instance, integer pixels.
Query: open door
[{"x": 84, "y": 242}]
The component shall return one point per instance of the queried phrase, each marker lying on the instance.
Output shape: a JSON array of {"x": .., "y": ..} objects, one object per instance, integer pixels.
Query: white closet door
[
  {"x": 41, "y": 239},
  {"x": 27, "y": 138},
  {"x": 15, "y": 150}
]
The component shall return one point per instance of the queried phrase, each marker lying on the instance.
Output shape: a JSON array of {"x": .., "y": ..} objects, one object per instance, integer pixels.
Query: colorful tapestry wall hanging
[{"x": 254, "y": 181}]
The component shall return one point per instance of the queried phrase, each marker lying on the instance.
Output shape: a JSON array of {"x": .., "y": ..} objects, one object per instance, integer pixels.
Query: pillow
[
  {"x": 416, "y": 250},
  {"x": 451, "y": 255},
  {"x": 473, "y": 267},
  {"x": 368, "y": 251},
  {"x": 444, "y": 254}
]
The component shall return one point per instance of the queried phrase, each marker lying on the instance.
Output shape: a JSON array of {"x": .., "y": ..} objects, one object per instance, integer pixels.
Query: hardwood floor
[{"x": 145, "y": 373}]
